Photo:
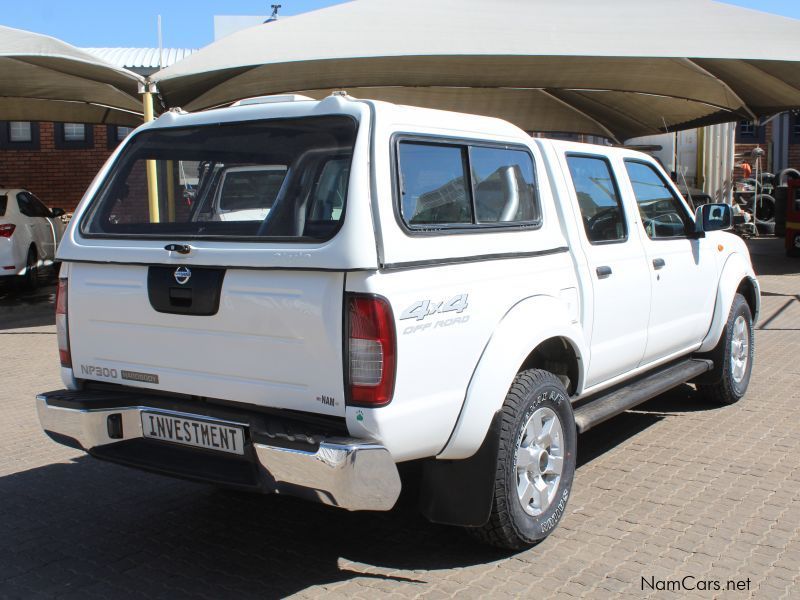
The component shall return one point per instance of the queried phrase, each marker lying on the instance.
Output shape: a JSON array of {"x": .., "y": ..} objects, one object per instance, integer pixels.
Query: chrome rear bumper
[{"x": 346, "y": 472}]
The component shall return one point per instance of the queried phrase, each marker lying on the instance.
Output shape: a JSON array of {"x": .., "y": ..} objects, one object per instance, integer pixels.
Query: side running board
[{"x": 610, "y": 403}]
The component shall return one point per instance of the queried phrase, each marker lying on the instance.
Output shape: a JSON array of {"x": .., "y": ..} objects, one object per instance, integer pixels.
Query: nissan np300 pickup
[{"x": 396, "y": 284}]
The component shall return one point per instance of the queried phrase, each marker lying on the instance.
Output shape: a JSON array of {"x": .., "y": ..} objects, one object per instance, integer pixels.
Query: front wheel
[
  {"x": 733, "y": 357},
  {"x": 535, "y": 462}
]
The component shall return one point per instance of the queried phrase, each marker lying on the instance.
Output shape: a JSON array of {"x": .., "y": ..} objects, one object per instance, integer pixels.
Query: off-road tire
[
  {"x": 31, "y": 279},
  {"x": 720, "y": 386},
  {"x": 509, "y": 526},
  {"x": 764, "y": 203}
]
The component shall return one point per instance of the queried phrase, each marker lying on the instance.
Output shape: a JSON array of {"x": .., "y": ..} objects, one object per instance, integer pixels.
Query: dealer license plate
[{"x": 224, "y": 437}]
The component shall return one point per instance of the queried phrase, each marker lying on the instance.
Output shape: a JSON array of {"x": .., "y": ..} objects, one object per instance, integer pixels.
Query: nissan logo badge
[{"x": 182, "y": 275}]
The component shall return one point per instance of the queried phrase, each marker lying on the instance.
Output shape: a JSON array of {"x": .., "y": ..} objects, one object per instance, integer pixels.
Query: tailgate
[{"x": 275, "y": 339}]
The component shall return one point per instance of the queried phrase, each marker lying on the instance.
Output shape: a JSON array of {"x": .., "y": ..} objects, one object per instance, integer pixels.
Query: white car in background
[
  {"x": 29, "y": 235},
  {"x": 243, "y": 193}
]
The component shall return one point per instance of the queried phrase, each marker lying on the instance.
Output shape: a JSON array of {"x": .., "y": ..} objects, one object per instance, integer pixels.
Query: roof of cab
[{"x": 563, "y": 146}]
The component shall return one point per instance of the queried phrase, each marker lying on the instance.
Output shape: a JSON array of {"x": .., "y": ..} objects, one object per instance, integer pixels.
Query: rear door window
[
  {"x": 30, "y": 206},
  {"x": 38, "y": 206},
  {"x": 252, "y": 180}
]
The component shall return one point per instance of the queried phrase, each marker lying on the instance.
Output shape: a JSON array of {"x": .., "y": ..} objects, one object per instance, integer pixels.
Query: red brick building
[
  {"x": 55, "y": 161},
  {"x": 779, "y": 138}
]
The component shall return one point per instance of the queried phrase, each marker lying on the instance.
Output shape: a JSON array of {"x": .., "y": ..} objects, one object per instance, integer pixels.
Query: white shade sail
[
  {"x": 618, "y": 68},
  {"x": 45, "y": 79}
]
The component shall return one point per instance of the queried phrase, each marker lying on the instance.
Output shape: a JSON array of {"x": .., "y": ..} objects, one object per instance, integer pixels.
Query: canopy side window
[{"x": 448, "y": 186}]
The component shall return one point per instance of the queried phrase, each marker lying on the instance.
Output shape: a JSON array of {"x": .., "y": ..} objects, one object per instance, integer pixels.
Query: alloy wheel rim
[
  {"x": 740, "y": 349},
  {"x": 539, "y": 461}
]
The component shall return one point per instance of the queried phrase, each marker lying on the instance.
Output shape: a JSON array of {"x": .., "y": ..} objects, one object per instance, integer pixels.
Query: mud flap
[{"x": 460, "y": 492}]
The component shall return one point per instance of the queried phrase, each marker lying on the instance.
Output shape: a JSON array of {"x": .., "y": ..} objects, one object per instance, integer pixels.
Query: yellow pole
[
  {"x": 700, "y": 179},
  {"x": 170, "y": 191},
  {"x": 152, "y": 171}
]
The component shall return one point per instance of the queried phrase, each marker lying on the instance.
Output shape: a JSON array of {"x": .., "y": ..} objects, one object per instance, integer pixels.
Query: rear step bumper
[{"x": 346, "y": 472}]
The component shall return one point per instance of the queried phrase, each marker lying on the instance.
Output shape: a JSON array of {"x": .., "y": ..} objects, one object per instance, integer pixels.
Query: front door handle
[
  {"x": 659, "y": 263},
  {"x": 603, "y": 272}
]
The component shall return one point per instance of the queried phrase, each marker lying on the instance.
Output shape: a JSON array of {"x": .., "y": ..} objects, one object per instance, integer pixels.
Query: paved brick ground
[{"x": 678, "y": 488}]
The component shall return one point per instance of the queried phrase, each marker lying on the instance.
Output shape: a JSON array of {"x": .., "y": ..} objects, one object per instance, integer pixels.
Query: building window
[
  {"x": 19, "y": 135},
  {"x": 117, "y": 133},
  {"x": 74, "y": 132},
  {"x": 123, "y": 132},
  {"x": 20, "y": 131},
  {"x": 75, "y": 136},
  {"x": 749, "y": 132},
  {"x": 794, "y": 131}
]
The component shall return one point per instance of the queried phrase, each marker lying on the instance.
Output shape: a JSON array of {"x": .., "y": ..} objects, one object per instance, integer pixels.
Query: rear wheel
[
  {"x": 31, "y": 278},
  {"x": 535, "y": 462},
  {"x": 733, "y": 357}
]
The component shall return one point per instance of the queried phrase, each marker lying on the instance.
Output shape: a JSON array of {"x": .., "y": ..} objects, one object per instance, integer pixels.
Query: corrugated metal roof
[{"x": 147, "y": 58}]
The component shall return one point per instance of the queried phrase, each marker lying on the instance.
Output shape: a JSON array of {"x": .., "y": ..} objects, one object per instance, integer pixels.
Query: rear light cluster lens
[
  {"x": 371, "y": 350},
  {"x": 7, "y": 230},
  {"x": 62, "y": 324}
]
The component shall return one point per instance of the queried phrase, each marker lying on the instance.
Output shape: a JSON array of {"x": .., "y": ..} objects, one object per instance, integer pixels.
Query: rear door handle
[
  {"x": 603, "y": 272},
  {"x": 659, "y": 263}
]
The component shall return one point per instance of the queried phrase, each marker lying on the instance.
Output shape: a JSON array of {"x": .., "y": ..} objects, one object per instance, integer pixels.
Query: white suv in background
[{"x": 29, "y": 235}]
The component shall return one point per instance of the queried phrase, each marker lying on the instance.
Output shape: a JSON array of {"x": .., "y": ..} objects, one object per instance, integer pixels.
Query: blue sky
[{"x": 185, "y": 24}]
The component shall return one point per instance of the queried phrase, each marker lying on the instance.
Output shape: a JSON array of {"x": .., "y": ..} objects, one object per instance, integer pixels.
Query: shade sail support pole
[{"x": 152, "y": 171}]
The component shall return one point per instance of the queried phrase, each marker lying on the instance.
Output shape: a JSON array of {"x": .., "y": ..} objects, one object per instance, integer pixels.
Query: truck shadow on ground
[
  {"x": 607, "y": 436},
  {"x": 769, "y": 257},
  {"x": 28, "y": 308},
  {"x": 92, "y": 528}
]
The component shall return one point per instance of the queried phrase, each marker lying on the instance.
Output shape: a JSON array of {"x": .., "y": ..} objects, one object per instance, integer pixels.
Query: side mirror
[
  {"x": 57, "y": 212},
  {"x": 713, "y": 217}
]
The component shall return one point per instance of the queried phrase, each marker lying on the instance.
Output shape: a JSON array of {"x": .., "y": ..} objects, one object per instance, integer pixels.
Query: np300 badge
[{"x": 183, "y": 275}]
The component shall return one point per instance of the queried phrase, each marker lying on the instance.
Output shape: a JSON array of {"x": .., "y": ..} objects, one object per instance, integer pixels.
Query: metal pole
[
  {"x": 170, "y": 167},
  {"x": 152, "y": 171},
  {"x": 700, "y": 167}
]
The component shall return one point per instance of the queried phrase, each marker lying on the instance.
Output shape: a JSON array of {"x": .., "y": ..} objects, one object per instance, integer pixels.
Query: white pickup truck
[{"x": 426, "y": 286}]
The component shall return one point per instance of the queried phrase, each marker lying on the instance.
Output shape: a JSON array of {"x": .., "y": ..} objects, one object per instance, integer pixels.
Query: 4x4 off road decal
[
  {"x": 421, "y": 309},
  {"x": 425, "y": 308}
]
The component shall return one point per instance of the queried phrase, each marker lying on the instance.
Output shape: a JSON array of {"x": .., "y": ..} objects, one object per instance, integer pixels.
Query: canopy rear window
[{"x": 281, "y": 179}]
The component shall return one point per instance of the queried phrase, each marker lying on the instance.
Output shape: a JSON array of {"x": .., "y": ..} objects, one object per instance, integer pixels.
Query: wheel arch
[
  {"x": 737, "y": 276},
  {"x": 559, "y": 356},
  {"x": 749, "y": 289},
  {"x": 537, "y": 332}
]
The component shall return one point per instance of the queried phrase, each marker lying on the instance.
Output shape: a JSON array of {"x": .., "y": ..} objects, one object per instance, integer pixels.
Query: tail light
[
  {"x": 370, "y": 350},
  {"x": 7, "y": 230},
  {"x": 62, "y": 324}
]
